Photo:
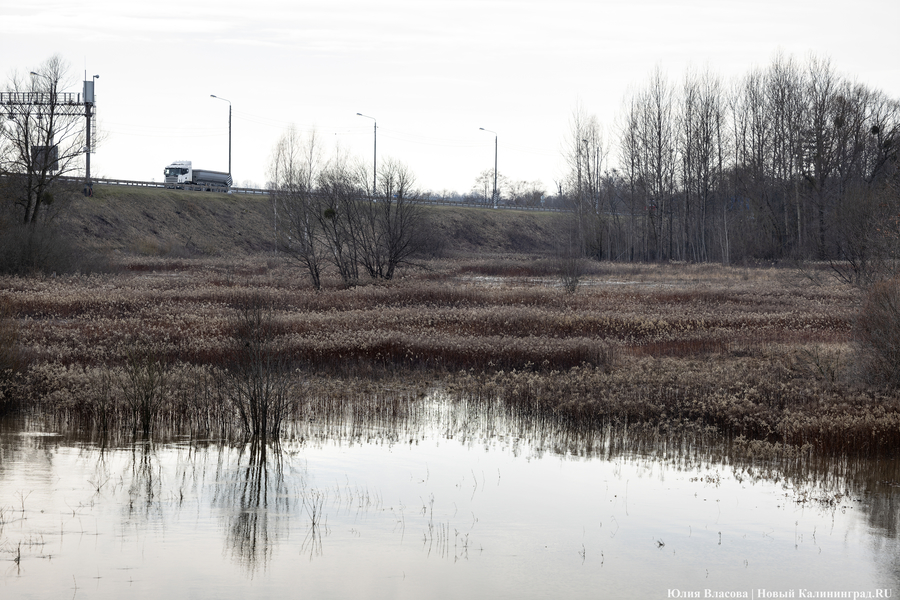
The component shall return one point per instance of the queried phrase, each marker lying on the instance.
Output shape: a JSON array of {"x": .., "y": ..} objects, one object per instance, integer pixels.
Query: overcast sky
[{"x": 432, "y": 72}]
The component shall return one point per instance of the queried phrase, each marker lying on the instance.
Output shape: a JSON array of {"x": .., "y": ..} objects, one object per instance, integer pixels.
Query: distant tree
[
  {"x": 484, "y": 186},
  {"x": 650, "y": 163},
  {"x": 325, "y": 213},
  {"x": 786, "y": 108},
  {"x": 526, "y": 193},
  {"x": 702, "y": 148},
  {"x": 861, "y": 240}
]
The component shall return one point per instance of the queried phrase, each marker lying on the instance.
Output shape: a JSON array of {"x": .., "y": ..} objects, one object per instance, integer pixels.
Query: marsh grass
[
  {"x": 759, "y": 354},
  {"x": 752, "y": 398},
  {"x": 878, "y": 328}
]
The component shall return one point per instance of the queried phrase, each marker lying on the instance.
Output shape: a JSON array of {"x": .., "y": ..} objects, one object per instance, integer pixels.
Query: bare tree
[
  {"x": 863, "y": 201},
  {"x": 327, "y": 215},
  {"x": 655, "y": 161},
  {"x": 341, "y": 187},
  {"x": 585, "y": 151},
  {"x": 702, "y": 148},
  {"x": 630, "y": 159},
  {"x": 484, "y": 184},
  {"x": 396, "y": 220},
  {"x": 42, "y": 138},
  {"x": 787, "y": 108},
  {"x": 295, "y": 168},
  {"x": 258, "y": 379}
]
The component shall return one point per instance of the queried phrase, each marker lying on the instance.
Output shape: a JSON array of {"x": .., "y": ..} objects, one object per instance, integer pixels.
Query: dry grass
[
  {"x": 879, "y": 331},
  {"x": 761, "y": 353},
  {"x": 10, "y": 359},
  {"x": 183, "y": 224}
]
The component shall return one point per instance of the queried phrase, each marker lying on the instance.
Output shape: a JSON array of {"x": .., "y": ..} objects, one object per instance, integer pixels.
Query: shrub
[
  {"x": 10, "y": 356},
  {"x": 258, "y": 378},
  {"x": 25, "y": 250},
  {"x": 878, "y": 329}
]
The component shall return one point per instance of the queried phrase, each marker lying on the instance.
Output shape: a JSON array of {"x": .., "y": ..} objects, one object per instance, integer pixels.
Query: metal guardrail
[
  {"x": 262, "y": 192},
  {"x": 152, "y": 184}
]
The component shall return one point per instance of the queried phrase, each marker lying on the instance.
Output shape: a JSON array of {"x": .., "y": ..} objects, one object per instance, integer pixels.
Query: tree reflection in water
[
  {"x": 255, "y": 502},
  {"x": 146, "y": 481}
]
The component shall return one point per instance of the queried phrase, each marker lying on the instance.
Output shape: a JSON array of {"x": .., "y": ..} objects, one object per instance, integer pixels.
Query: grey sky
[{"x": 431, "y": 71}]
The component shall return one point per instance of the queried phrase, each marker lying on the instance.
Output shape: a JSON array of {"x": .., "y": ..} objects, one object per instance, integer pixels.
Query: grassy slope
[
  {"x": 153, "y": 221},
  {"x": 169, "y": 222}
]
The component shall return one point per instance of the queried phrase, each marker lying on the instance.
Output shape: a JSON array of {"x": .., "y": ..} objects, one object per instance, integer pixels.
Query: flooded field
[{"x": 451, "y": 501}]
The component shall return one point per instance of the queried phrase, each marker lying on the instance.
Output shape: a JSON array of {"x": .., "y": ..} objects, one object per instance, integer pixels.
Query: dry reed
[{"x": 762, "y": 354}]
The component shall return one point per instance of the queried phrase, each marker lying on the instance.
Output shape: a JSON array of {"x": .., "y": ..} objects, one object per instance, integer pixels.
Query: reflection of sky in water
[{"x": 471, "y": 516}]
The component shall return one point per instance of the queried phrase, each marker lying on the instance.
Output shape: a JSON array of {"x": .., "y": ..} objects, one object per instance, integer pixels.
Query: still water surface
[{"x": 449, "y": 504}]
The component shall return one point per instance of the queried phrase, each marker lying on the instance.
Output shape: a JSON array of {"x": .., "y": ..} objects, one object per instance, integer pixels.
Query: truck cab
[{"x": 179, "y": 172}]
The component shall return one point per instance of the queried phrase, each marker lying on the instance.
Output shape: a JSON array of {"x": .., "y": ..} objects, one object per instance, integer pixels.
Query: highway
[{"x": 256, "y": 191}]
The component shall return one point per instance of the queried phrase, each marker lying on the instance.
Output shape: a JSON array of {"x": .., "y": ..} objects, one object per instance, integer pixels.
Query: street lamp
[
  {"x": 494, "y": 197},
  {"x": 229, "y": 129},
  {"x": 374, "y": 151},
  {"x": 49, "y": 80}
]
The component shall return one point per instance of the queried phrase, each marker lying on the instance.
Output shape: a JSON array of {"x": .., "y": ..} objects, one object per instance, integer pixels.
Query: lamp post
[
  {"x": 229, "y": 128},
  {"x": 494, "y": 197},
  {"x": 374, "y": 151}
]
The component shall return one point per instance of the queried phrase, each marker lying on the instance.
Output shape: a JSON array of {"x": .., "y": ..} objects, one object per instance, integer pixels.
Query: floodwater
[{"x": 451, "y": 503}]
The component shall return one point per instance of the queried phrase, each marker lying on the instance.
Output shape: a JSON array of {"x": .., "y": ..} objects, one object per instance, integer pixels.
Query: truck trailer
[{"x": 181, "y": 173}]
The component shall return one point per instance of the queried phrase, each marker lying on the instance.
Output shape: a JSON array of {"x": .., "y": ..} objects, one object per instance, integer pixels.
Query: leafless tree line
[
  {"x": 327, "y": 215},
  {"x": 791, "y": 161},
  {"x": 510, "y": 192}
]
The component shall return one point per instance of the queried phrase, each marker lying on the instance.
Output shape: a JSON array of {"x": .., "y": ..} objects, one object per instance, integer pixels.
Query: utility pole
[{"x": 88, "y": 115}]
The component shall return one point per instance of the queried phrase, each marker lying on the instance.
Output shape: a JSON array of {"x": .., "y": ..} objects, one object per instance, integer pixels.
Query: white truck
[{"x": 181, "y": 173}]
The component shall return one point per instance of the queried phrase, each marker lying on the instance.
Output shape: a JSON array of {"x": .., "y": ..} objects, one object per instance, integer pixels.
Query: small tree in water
[
  {"x": 144, "y": 385},
  {"x": 258, "y": 381}
]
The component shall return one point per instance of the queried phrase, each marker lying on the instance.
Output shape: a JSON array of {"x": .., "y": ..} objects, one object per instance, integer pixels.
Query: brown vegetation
[
  {"x": 879, "y": 331},
  {"x": 765, "y": 354}
]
